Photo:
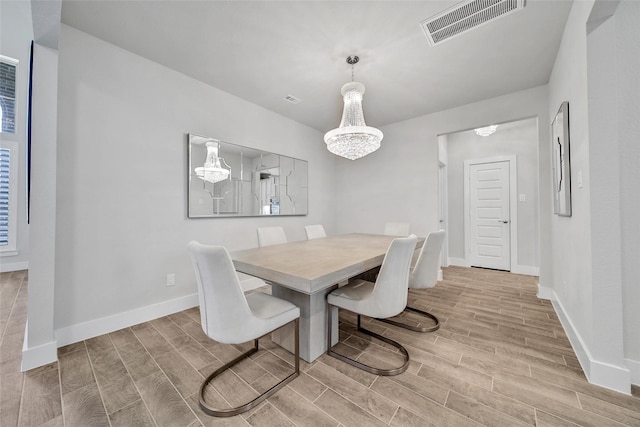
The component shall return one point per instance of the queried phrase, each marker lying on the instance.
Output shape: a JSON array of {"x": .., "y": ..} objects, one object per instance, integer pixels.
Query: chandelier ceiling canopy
[{"x": 353, "y": 139}]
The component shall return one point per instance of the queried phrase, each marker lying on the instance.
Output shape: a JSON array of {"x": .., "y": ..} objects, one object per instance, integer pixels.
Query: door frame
[
  {"x": 443, "y": 211},
  {"x": 513, "y": 205}
]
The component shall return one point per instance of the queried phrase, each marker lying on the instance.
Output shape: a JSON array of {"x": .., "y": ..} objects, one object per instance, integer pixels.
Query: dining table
[{"x": 304, "y": 272}]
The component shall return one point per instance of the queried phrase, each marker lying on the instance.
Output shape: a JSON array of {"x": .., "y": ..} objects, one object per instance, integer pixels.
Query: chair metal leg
[
  {"x": 252, "y": 404},
  {"x": 416, "y": 328},
  {"x": 371, "y": 369}
]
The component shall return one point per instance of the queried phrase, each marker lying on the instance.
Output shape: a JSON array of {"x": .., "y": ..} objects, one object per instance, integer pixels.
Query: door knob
[{"x": 504, "y": 221}]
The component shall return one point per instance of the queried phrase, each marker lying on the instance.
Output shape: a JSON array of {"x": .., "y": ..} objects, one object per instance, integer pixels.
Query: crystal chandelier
[
  {"x": 353, "y": 138},
  {"x": 487, "y": 130},
  {"x": 213, "y": 171}
]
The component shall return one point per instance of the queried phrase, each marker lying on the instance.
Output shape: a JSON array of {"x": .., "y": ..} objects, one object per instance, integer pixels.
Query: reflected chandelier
[
  {"x": 353, "y": 138},
  {"x": 487, "y": 130},
  {"x": 213, "y": 171}
]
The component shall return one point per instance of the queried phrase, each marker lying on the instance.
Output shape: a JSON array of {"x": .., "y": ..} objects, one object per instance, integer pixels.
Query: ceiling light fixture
[
  {"x": 353, "y": 139},
  {"x": 213, "y": 171},
  {"x": 487, "y": 130}
]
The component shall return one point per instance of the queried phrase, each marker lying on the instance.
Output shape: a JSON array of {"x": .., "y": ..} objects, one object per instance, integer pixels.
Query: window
[
  {"x": 8, "y": 157},
  {"x": 8, "y": 184},
  {"x": 8, "y": 94}
]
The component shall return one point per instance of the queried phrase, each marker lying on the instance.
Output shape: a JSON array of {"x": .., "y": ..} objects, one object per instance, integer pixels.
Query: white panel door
[{"x": 489, "y": 225}]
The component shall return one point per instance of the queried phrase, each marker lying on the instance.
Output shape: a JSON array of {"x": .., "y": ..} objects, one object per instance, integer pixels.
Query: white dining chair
[
  {"x": 229, "y": 316},
  {"x": 424, "y": 274},
  {"x": 386, "y": 297},
  {"x": 396, "y": 229},
  {"x": 249, "y": 283},
  {"x": 268, "y": 236},
  {"x": 315, "y": 231}
]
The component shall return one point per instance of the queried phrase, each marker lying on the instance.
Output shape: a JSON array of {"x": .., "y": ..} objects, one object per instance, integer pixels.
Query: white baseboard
[
  {"x": 459, "y": 262},
  {"x": 617, "y": 378},
  {"x": 13, "y": 266},
  {"x": 440, "y": 275},
  {"x": 105, "y": 325},
  {"x": 39, "y": 355},
  {"x": 634, "y": 368},
  {"x": 527, "y": 270},
  {"x": 546, "y": 293},
  {"x": 613, "y": 377}
]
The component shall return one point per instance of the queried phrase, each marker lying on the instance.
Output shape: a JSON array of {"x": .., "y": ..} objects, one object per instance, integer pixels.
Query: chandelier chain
[{"x": 352, "y": 60}]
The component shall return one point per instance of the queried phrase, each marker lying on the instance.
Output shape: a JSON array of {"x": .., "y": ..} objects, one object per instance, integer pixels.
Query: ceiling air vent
[
  {"x": 292, "y": 99},
  {"x": 465, "y": 16}
]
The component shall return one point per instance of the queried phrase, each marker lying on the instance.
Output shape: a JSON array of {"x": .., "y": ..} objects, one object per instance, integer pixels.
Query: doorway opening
[{"x": 517, "y": 143}]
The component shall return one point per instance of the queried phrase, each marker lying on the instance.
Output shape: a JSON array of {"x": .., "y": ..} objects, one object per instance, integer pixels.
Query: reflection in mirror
[{"x": 226, "y": 180}]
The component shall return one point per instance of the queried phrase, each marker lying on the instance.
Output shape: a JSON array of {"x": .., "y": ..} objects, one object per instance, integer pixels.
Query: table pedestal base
[{"x": 313, "y": 322}]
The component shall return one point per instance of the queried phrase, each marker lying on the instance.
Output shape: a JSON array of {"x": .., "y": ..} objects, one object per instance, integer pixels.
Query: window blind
[
  {"x": 5, "y": 183},
  {"x": 7, "y": 94}
]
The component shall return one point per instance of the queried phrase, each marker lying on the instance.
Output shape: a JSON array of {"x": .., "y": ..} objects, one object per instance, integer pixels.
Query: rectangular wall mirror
[{"x": 227, "y": 180}]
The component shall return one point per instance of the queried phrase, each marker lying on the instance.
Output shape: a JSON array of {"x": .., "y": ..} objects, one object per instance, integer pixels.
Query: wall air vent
[
  {"x": 465, "y": 16},
  {"x": 292, "y": 99}
]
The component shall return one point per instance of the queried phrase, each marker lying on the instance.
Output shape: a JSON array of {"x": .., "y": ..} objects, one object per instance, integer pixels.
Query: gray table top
[{"x": 309, "y": 266}]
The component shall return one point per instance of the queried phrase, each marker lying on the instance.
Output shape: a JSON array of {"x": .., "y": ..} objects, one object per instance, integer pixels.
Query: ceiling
[{"x": 263, "y": 51}]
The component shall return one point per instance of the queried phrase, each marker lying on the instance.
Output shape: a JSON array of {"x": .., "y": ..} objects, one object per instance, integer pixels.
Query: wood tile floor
[{"x": 499, "y": 359}]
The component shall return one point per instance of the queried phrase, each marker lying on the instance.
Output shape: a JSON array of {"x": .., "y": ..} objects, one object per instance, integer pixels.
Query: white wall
[
  {"x": 519, "y": 138},
  {"x": 122, "y": 182},
  {"x": 15, "y": 42},
  {"x": 399, "y": 182},
  {"x": 571, "y": 239},
  {"x": 586, "y": 279},
  {"x": 627, "y": 86}
]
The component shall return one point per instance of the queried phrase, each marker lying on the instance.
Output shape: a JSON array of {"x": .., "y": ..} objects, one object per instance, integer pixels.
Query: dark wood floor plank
[
  {"x": 300, "y": 411},
  {"x": 133, "y": 415},
  {"x": 268, "y": 416},
  {"x": 422, "y": 386},
  {"x": 346, "y": 412},
  {"x": 119, "y": 394},
  {"x": 609, "y": 410},
  {"x": 372, "y": 402},
  {"x": 551, "y": 405},
  {"x": 11, "y": 380},
  {"x": 41, "y": 398},
  {"x": 9, "y": 411},
  {"x": 211, "y": 421},
  {"x": 352, "y": 372},
  {"x": 84, "y": 406},
  {"x": 185, "y": 378},
  {"x": 308, "y": 387},
  {"x": 151, "y": 339},
  {"x": 405, "y": 418},
  {"x": 484, "y": 395},
  {"x": 164, "y": 402},
  {"x": 455, "y": 371},
  {"x": 478, "y": 412},
  {"x": 426, "y": 408},
  {"x": 75, "y": 371}
]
